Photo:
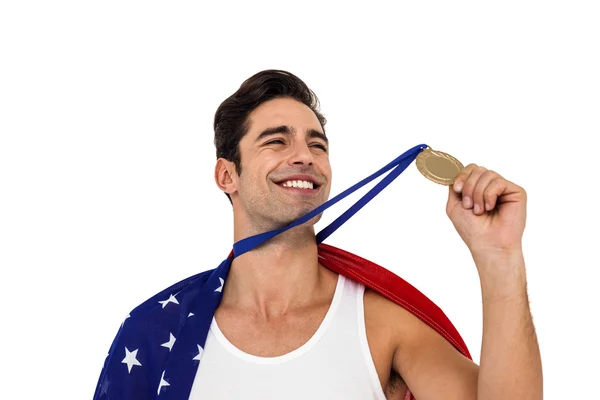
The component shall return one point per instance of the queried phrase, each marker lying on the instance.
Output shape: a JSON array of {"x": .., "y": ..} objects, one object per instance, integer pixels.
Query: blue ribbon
[{"x": 397, "y": 165}]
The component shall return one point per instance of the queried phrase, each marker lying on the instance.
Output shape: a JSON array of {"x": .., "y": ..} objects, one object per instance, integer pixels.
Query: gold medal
[{"x": 437, "y": 166}]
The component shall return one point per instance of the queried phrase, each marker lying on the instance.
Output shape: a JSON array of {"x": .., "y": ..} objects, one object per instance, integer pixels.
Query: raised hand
[{"x": 488, "y": 211}]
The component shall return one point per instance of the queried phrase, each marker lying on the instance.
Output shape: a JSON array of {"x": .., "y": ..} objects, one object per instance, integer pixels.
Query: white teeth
[{"x": 299, "y": 184}]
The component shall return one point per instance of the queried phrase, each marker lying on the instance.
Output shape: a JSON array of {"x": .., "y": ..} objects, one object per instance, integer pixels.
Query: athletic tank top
[{"x": 335, "y": 363}]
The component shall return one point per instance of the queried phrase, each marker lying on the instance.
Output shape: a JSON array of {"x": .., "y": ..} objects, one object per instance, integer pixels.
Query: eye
[
  {"x": 275, "y": 141},
  {"x": 319, "y": 145}
]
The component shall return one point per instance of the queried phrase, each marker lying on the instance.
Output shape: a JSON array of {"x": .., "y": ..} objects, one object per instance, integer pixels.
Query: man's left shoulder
[
  {"x": 402, "y": 326},
  {"x": 386, "y": 313}
]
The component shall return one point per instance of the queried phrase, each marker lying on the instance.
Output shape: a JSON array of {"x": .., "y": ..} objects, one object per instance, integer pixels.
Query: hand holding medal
[{"x": 487, "y": 210}]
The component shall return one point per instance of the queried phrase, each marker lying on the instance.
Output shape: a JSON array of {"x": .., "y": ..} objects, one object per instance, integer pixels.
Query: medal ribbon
[{"x": 398, "y": 165}]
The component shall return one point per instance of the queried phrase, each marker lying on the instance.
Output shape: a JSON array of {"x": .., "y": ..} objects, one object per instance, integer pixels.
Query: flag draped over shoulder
[{"x": 159, "y": 345}]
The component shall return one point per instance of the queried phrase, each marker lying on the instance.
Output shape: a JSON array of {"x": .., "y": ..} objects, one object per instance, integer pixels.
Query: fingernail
[
  {"x": 488, "y": 207},
  {"x": 476, "y": 208},
  {"x": 467, "y": 202},
  {"x": 458, "y": 186}
]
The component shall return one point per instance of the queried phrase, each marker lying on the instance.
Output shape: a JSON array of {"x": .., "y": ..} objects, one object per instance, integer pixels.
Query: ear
[{"x": 225, "y": 176}]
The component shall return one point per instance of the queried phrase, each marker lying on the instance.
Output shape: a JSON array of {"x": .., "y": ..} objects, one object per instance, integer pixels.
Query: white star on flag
[
  {"x": 199, "y": 355},
  {"x": 162, "y": 383},
  {"x": 170, "y": 343},
  {"x": 190, "y": 314},
  {"x": 104, "y": 387},
  {"x": 171, "y": 299},
  {"x": 220, "y": 288},
  {"x": 131, "y": 359}
]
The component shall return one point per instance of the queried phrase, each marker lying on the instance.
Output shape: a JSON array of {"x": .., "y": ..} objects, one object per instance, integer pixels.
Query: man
[{"x": 288, "y": 327}]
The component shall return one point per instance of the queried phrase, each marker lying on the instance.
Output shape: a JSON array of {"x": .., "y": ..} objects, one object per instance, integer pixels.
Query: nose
[{"x": 301, "y": 154}]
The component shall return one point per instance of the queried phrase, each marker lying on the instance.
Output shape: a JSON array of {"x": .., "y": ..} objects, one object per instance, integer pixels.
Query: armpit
[{"x": 396, "y": 388}]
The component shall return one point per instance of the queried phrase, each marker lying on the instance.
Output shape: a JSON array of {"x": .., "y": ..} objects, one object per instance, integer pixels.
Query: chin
[
  {"x": 284, "y": 220},
  {"x": 311, "y": 221}
]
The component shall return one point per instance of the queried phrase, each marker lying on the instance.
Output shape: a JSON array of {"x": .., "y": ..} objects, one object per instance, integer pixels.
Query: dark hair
[{"x": 231, "y": 118}]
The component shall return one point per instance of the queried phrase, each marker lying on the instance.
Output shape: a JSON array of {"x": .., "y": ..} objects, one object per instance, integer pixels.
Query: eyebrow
[{"x": 286, "y": 130}]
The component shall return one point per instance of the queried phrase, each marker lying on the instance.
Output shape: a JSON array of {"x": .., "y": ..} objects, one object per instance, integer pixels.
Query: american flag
[{"x": 159, "y": 345}]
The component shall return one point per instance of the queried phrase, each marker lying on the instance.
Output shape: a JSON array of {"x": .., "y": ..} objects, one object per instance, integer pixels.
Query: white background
[{"x": 106, "y": 158}]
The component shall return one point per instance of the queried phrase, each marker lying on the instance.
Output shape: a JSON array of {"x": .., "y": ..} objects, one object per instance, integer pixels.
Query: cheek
[
  {"x": 269, "y": 160},
  {"x": 266, "y": 164},
  {"x": 258, "y": 171},
  {"x": 325, "y": 167}
]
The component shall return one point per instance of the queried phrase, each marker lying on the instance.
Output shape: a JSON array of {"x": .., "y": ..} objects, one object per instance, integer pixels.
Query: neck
[{"x": 277, "y": 276}]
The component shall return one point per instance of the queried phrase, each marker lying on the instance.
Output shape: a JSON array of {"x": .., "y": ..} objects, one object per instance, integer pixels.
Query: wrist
[
  {"x": 501, "y": 273},
  {"x": 494, "y": 255}
]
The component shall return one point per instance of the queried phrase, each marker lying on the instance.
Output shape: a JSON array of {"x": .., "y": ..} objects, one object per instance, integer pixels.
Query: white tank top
[{"x": 335, "y": 363}]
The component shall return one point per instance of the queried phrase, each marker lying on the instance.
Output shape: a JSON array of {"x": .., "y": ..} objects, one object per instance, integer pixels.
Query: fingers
[
  {"x": 487, "y": 189},
  {"x": 462, "y": 177},
  {"x": 479, "y": 188},
  {"x": 465, "y": 183},
  {"x": 495, "y": 187}
]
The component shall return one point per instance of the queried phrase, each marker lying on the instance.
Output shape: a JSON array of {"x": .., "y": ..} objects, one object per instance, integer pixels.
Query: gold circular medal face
[{"x": 437, "y": 166}]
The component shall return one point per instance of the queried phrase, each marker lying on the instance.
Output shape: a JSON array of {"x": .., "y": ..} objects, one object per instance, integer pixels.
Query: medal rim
[{"x": 429, "y": 152}]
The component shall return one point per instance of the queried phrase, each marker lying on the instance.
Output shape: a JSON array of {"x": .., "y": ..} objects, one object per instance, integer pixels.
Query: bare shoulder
[
  {"x": 380, "y": 308},
  {"x": 396, "y": 321},
  {"x": 425, "y": 360}
]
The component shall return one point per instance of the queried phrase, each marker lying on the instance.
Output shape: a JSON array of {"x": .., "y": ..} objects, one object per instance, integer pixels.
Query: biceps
[{"x": 432, "y": 368}]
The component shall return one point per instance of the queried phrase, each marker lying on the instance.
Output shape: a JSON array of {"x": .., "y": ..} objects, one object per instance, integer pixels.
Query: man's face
[{"x": 285, "y": 164}]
